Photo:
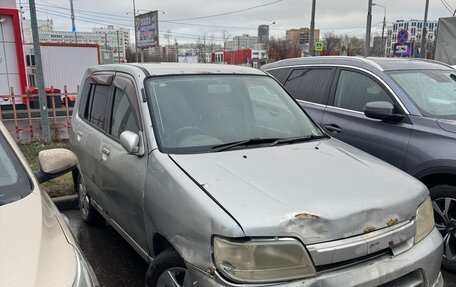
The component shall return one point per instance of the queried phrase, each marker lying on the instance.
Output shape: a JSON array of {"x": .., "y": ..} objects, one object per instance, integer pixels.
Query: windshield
[
  {"x": 14, "y": 183},
  {"x": 196, "y": 113},
  {"x": 433, "y": 91}
]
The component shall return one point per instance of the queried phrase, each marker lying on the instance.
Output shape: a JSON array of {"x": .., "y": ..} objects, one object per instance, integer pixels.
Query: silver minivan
[{"x": 217, "y": 177}]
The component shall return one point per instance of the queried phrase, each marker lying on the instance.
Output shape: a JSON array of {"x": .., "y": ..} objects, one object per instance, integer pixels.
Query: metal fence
[{"x": 22, "y": 114}]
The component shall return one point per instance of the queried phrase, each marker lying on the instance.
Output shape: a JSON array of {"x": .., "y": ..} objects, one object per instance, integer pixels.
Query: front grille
[{"x": 354, "y": 261}]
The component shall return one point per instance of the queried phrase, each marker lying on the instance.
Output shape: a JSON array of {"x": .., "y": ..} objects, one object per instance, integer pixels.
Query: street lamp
[{"x": 383, "y": 28}]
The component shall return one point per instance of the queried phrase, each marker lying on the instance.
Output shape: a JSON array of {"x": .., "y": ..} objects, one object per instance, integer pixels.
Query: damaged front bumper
[{"x": 419, "y": 266}]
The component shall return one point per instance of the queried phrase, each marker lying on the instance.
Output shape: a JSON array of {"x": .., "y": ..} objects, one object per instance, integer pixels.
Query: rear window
[
  {"x": 278, "y": 74},
  {"x": 311, "y": 85},
  {"x": 97, "y": 105},
  {"x": 14, "y": 182}
]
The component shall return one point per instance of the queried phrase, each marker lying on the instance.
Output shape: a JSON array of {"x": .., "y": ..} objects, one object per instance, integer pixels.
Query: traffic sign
[
  {"x": 402, "y": 37},
  {"x": 401, "y": 49},
  {"x": 318, "y": 46}
]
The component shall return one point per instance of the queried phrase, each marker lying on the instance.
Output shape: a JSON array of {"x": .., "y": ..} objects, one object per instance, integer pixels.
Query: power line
[
  {"x": 229, "y": 13},
  {"x": 447, "y": 6},
  {"x": 128, "y": 19}
]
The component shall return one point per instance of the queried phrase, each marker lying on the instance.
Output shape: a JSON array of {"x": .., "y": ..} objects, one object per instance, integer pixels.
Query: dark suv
[{"x": 400, "y": 110}]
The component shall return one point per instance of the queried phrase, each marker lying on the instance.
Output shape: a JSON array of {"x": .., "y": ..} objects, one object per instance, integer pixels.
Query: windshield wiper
[
  {"x": 249, "y": 142},
  {"x": 298, "y": 139}
]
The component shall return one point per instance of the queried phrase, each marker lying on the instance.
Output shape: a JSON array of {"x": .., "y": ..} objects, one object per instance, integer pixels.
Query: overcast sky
[{"x": 340, "y": 16}]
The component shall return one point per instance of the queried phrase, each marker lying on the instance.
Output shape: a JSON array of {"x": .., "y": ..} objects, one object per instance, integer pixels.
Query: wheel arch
[{"x": 437, "y": 176}]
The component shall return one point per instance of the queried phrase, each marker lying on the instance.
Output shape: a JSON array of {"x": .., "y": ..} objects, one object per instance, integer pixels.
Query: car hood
[
  {"x": 317, "y": 191},
  {"x": 34, "y": 249}
]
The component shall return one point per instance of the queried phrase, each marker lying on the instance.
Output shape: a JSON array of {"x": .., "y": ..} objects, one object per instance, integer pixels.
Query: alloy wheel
[
  {"x": 445, "y": 221},
  {"x": 174, "y": 277}
]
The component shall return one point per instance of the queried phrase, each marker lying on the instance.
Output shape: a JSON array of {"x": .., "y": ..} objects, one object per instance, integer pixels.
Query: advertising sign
[{"x": 147, "y": 30}]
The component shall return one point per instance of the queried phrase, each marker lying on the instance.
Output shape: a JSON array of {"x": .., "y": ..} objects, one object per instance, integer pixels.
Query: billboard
[{"x": 147, "y": 30}]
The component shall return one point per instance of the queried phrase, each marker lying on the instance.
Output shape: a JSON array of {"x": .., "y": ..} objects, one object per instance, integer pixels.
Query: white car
[{"x": 36, "y": 245}]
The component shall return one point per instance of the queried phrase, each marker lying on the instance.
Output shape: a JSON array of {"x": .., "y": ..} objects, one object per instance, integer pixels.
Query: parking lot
[{"x": 116, "y": 264}]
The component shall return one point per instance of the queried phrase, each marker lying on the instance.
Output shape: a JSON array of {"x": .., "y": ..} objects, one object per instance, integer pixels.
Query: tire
[
  {"x": 88, "y": 213},
  {"x": 444, "y": 203},
  {"x": 168, "y": 268}
]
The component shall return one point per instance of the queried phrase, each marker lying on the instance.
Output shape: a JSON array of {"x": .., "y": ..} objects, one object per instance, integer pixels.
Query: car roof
[
  {"x": 163, "y": 69},
  {"x": 370, "y": 63}
]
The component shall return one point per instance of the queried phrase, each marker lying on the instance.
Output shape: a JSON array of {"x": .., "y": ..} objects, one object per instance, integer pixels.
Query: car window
[
  {"x": 355, "y": 90},
  {"x": 310, "y": 85},
  {"x": 123, "y": 117},
  {"x": 97, "y": 105},
  {"x": 433, "y": 91},
  {"x": 194, "y": 113},
  {"x": 14, "y": 182},
  {"x": 279, "y": 74}
]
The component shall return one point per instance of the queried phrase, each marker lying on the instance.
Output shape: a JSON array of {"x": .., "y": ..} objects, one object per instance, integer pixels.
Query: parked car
[
  {"x": 400, "y": 110},
  {"x": 36, "y": 245},
  {"x": 217, "y": 177}
]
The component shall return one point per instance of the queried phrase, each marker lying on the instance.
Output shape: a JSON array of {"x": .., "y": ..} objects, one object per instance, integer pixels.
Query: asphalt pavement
[{"x": 116, "y": 264}]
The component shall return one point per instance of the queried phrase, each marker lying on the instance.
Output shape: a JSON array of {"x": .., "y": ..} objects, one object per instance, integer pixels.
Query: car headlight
[
  {"x": 85, "y": 277},
  {"x": 424, "y": 220},
  {"x": 262, "y": 261}
]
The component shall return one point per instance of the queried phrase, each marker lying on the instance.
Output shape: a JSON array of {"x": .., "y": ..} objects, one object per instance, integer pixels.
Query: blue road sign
[{"x": 402, "y": 37}]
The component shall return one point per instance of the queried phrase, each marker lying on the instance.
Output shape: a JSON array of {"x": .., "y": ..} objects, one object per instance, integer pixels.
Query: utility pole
[
  {"x": 312, "y": 29},
  {"x": 423, "y": 35},
  {"x": 136, "y": 36},
  {"x": 383, "y": 28},
  {"x": 45, "y": 128},
  {"x": 73, "y": 25},
  {"x": 368, "y": 29}
]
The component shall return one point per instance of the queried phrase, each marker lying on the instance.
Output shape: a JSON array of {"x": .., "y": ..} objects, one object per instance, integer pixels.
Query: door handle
[
  {"x": 79, "y": 136},
  {"x": 106, "y": 150},
  {"x": 333, "y": 128}
]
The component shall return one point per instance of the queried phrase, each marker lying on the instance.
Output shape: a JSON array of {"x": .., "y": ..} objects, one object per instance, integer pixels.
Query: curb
[{"x": 66, "y": 202}]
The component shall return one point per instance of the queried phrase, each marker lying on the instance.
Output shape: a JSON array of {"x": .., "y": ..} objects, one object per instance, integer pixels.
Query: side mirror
[
  {"x": 54, "y": 163},
  {"x": 130, "y": 142},
  {"x": 381, "y": 111}
]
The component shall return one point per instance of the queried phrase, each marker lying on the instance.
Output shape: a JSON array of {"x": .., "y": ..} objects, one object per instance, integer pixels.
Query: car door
[
  {"x": 123, "y": 174},
  {"x": 89, "y": 130},
  {"x": 344, "y": 117},
  {"x": 311, "y": 86}
]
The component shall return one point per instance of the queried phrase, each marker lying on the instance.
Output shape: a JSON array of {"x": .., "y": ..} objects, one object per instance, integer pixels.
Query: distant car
[
  {"x": 400, "y": 110},
  {"x": 37, "y": 248},
  {"x": 217, "y": 177}
]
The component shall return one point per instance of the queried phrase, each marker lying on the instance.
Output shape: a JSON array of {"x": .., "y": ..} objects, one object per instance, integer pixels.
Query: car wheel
[
  {"x": 88, "y": 212},
  {"x": 444, "y": 204},
  {"x": 168, "y": 270}
]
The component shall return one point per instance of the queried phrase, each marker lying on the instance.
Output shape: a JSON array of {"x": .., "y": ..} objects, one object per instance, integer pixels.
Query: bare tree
[
  {"x": 351, "y": 46},
  {"x": 279, "y": 48},
  {"x": 201, "y": 48},
  {"x": 332, "y": 44}
]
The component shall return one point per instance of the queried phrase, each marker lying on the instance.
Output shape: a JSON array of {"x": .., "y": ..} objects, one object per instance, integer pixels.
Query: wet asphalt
[{"x": 116, "y": 264}]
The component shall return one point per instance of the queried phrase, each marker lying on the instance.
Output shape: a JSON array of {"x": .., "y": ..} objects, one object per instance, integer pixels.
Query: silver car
[{"x": 217, "y": 177}]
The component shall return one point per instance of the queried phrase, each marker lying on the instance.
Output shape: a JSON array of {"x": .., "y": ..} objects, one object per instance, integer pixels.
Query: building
[
  {"x": 241, "y": 43},
  {"x": 415, "y": 30},
  {"x": 236, "y": 57},
  {"x": 263, "y": 33},
  {"x": 301, "y": 36},
  {"x": 43, "y": 26},
  {"x": 12, "y": 61},
  {"x": 112, "y": 41}
]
